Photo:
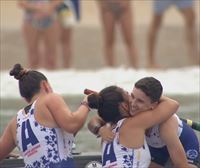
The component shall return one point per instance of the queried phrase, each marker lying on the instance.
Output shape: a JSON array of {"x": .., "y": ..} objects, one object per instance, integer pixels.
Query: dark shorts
[
  {"x": 69, "y": 163},
  {"x": 161, "y": 5},
  {"x": 190, "y": 144}
]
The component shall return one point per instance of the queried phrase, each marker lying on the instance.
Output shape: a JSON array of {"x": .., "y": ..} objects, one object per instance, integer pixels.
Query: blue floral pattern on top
[{"x": 53, "y": 148}]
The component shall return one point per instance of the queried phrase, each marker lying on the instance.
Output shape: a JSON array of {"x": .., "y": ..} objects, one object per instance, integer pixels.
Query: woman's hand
[{"x": 106, "y": 133}]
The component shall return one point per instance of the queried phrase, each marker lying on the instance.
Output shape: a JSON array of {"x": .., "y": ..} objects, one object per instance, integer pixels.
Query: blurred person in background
[
  {"x": 118, "y": 13},
  {"x": 40, "y": 26},
  {"x": 186, "y": 8},
  {"x": 68, "y": 16}
]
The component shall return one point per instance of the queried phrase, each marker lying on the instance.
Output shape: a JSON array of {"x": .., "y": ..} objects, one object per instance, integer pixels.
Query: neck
[{"x": 35, "y": 97}]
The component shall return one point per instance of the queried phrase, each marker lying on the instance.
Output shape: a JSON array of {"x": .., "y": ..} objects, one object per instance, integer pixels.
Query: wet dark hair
[
  {"x": 29, "y": 81},
  {"x": 107, "y": 103},
  {"x": 151, "y": 87}
]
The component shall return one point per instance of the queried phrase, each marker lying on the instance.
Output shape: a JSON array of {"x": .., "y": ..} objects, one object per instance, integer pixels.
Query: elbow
[
  {"x": 175, "y": 106},
  {"x": 73, "y": 128}
]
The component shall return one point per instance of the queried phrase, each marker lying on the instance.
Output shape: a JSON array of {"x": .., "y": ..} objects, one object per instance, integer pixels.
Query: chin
[{"x": 133, "y": 113}]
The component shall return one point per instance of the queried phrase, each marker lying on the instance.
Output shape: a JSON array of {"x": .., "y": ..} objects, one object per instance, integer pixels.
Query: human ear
[
  {"x": 45, "y": 85},
  {"x": 124, "y": 108},
  {"x": 154, "y": 105}
]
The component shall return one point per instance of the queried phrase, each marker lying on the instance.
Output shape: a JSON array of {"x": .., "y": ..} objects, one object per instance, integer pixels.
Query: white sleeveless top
[
  {"x": 116, "y": 155},
  {"x": 41, "y": 146},
  {"x": 153, "y": 135}
]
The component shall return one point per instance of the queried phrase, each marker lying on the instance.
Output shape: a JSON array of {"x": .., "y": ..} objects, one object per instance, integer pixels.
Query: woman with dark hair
[
  {"x": 171, "y": 139},
  {"x": 129, "y": 147},
  {"x": 43, "y": 130}
]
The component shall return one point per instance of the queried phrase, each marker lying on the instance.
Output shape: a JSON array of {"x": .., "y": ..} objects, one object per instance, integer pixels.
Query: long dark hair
[
  {"x": 107, "y": 103},
  {"x": 29, "y": 81}
]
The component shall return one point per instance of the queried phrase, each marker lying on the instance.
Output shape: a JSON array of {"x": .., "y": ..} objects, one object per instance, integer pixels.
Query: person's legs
[
  {"x": 50, "y": 36},
  {"x": 127, "y": 28},
  {"x": 159, "y": 7},
  {"x": 66, "y": 36},
  {"x": 152, "y": 37},
  {"x": 32, "y": 37},
  {"x": 191, "y": 34},
  {"x": 108, "y": 22}
]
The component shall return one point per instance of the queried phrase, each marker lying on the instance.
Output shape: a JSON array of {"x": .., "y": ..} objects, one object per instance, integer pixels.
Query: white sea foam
[{"x": 70, "y": 82}]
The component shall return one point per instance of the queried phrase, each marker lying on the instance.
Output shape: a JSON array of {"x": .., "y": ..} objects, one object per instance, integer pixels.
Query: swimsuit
[
  {"x": 115, "y": 155},
  {"x": 187, "y": 136},
  {"x": 42, "y": 146}
]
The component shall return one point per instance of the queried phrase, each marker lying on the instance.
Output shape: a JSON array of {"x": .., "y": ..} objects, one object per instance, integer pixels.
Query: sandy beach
[{"x": 171, "y": 50}]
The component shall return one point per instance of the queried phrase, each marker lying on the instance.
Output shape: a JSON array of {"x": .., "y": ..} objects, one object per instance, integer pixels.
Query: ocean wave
[{"x": 72, "y": 82}]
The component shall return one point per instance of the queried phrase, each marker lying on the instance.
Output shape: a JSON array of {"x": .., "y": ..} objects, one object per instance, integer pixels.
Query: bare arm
[
  {"x": 95, "y": 123},
  {"x": 99, "y": 127},
  {"x": 7, "y": 142},
  {"x": 69, "y": 121},
  {"x": 168, "y": 133},
  {"x": 165, "y": 109}
]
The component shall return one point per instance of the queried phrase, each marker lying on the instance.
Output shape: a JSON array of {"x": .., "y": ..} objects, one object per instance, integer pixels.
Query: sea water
[{"x": 182, "y": 84}]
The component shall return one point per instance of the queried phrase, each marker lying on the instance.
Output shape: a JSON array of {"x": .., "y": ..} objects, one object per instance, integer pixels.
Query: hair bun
[
  {"x": 18, "y": 71},
  {"x": 95, "y": 101}
]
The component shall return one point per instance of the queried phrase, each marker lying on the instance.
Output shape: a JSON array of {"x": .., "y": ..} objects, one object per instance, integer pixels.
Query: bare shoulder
[
  {"x": 13, "y": 123},
  {"x": 169, "y": 124},
  {"x": 169, "y": 128},
  {"x": 132, "y": 122},
  {"x": 11, "y": 128},
  {"x": 52, "y": 97}
]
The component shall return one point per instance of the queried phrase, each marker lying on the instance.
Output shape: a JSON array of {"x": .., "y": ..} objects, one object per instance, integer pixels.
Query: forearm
[
  {"x": 64, "y": 118},
  {"x": 4, "y": 152},
  {"x": 168, "y": 133},
  {"x": 79, "y": 118},
  {"x": 165, "y": 109},
  {"x": 178, "y": 157},
  {"x": 75, "y": 121},
  {"x": 7, "y": 143},
  {"x": 95, "y": 124}
]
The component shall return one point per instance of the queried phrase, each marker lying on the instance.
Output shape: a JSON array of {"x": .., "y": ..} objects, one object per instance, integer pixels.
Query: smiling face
[{"x": 139, "y": 102}]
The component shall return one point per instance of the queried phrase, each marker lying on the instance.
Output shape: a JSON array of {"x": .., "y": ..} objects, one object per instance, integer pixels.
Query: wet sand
[{"x": 88, "y": 43}]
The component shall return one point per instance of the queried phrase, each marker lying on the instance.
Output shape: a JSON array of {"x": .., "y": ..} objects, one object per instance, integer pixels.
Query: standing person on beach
[
  {"x": 68, "y": 16},
  {"x": 118, "y": 13},
  {"x": 186, "y": 8},
  {"x": 166, "y": 140},
  {"x": 44, "y": 130},
  {"x": 129, "y": 147},
  {"x": 40, "y": 25}
]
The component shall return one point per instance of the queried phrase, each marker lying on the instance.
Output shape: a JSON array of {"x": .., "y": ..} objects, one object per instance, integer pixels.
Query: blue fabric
[
  {"x": 76, "y": 4},
  {"x": 190, "y": 144},
  {"x": 161, "y": 5}
]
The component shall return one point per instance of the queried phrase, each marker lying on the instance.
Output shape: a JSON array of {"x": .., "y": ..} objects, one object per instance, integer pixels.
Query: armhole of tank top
[{"x": 119, "y": 125}]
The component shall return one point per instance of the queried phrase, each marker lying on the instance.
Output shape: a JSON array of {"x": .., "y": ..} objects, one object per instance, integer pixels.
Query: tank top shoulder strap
[
  {"x": 119, "y": 124},
  {"x": 117, "y": 128},
  {"x": 180, "y": 125},
  {"x": 20, "y": 114},
  {"x": 32, "y": 108}
]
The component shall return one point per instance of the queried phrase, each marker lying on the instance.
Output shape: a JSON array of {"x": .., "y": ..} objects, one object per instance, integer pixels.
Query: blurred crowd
[{"x": 48, "y": 30}]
